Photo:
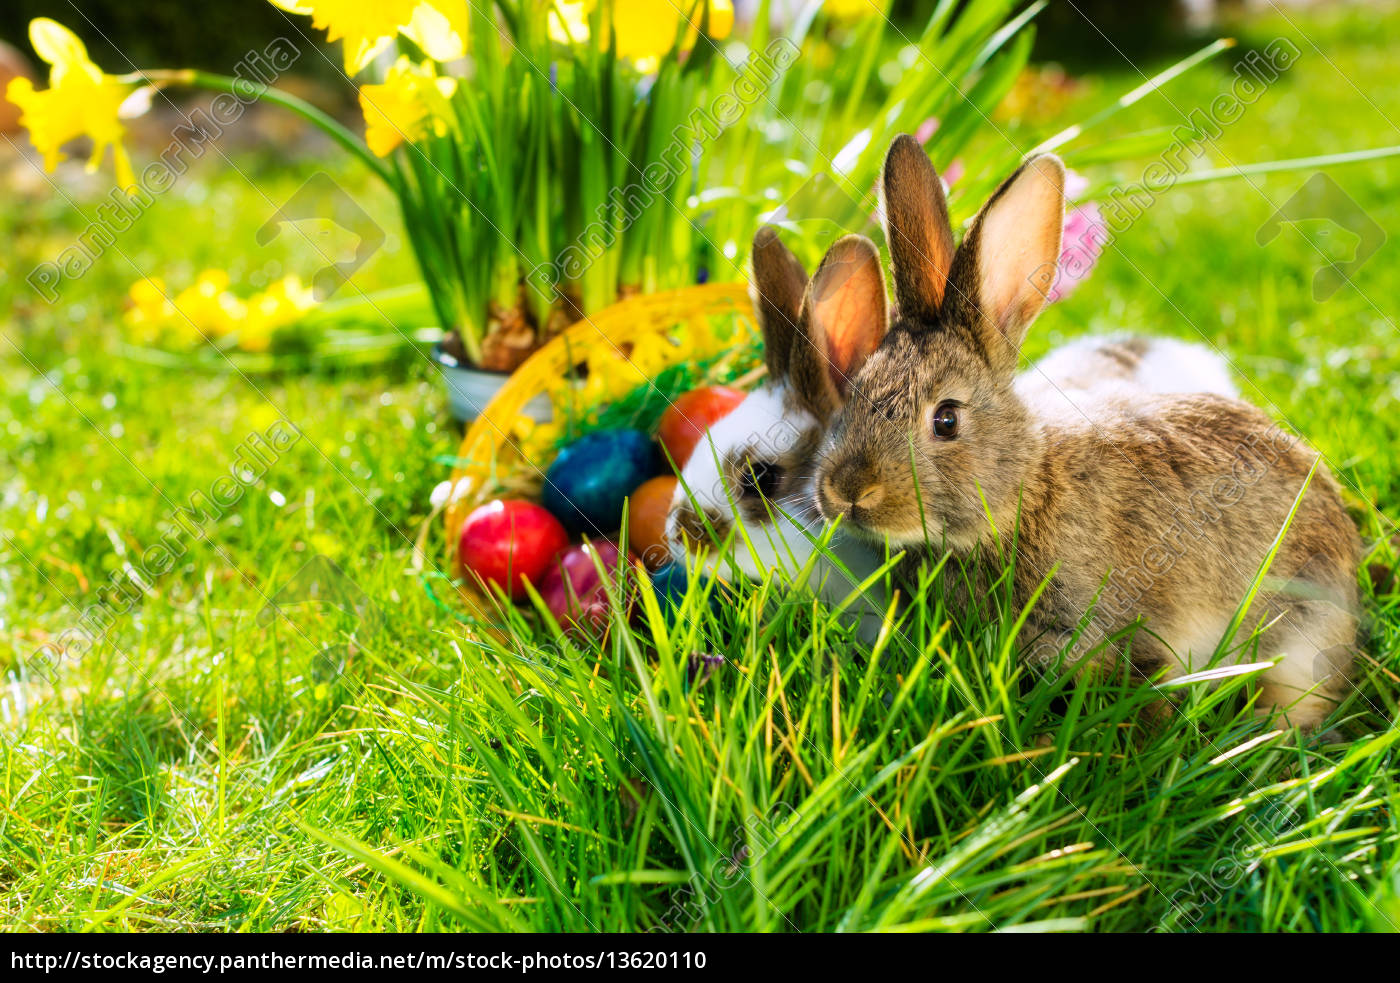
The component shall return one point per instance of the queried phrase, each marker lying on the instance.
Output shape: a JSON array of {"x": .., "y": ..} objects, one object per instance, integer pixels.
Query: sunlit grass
[{"x": 389, "y": 767}]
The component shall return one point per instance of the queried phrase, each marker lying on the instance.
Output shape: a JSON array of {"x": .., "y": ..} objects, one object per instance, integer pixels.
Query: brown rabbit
[{"x": 1148, "y": 508}]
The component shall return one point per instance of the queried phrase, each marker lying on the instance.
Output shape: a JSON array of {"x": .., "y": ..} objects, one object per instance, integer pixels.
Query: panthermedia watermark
[
  {"x": 1322, "y": 200},
  {"x": 1123, "y": 205},
  {"x": 626, "y": 203},
  {"x": 334, "y": 224},
  {"x": 255, "y": 456},
  {"x": 254, "y": 74}
]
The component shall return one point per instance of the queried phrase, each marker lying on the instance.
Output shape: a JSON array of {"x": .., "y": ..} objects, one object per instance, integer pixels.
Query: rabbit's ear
[
  {"x": 779, "y": 282},
  {"x": 844, "y": 317},
  {"x": 1006, "y": 265},
  {"x": 917, "y": 230}
]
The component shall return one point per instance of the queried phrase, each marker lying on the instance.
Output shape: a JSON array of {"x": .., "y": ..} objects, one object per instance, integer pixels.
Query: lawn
[{"x": 381, "y": 764}]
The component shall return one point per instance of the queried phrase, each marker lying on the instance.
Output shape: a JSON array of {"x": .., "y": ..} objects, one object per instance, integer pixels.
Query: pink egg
[{"x": 573, "y": 591}]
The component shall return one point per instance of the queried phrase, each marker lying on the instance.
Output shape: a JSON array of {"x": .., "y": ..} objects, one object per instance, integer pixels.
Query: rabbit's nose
[{"x": 848, "y": 490}]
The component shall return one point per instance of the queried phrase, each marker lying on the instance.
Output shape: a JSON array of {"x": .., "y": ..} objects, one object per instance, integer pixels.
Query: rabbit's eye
[
  {"x": 759, "y": 478},
  {"x": 945, "y": 421}
]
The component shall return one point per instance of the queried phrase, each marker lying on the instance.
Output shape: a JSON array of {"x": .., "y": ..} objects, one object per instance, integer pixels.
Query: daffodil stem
[{"x": 240, "y": 88}]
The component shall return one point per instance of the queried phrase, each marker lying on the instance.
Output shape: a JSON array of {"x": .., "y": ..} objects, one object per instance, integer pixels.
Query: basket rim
[{"x": 618, "y": 324}]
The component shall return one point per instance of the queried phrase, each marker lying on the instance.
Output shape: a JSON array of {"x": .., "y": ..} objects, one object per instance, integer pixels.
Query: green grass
[{"x": 203, "y": 767}]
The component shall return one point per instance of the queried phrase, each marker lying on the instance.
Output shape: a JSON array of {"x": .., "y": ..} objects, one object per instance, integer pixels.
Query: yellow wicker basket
[{"x": 504, "y": 451}]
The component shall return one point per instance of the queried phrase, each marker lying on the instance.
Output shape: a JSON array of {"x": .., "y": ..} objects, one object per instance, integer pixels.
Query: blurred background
[
  {"x": 163, "y": 32},
  {"x": 99, "y": 435},
  {"x": 1192, "y": 267}
]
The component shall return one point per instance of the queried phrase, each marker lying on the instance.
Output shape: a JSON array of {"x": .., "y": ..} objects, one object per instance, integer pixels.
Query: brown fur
[
  {"x": 842, "y": 321},
  {"x": 779, "y": 282},
  {"x": 696, "y": 529},
  {"x": 783, "y": 304},
  {"x": 1162, "y": 508},
  {"x": 923, "y": 241},
  {"x": 1127, "y": 354}
]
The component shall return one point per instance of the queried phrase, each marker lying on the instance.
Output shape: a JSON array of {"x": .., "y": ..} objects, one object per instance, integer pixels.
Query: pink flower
[
  {"x": 1075, "y": 184},
  {"x": 924, "y": 134},
  {"x": 954, "y": 173},
  {"x": 1084, "y": 239}
]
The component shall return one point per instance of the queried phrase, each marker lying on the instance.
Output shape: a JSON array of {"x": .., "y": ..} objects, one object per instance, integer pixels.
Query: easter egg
[
  {"x": 589, "y": 480},
  {"x": 574, "y": 592},
  {"x": 508, "y": 542},
  {"x": 687, "y": 419},
  {"x": 670, "y": 583},
  {"x": 646, "y": 520}
]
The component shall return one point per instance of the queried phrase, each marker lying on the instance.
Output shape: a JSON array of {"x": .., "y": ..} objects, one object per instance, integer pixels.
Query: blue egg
[
  {"x": 671, "y": 582},
  {"x": 589, "y": 480}
]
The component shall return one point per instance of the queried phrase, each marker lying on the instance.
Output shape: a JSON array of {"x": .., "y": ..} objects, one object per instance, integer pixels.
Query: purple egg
[{"x": 573, "y": 591}]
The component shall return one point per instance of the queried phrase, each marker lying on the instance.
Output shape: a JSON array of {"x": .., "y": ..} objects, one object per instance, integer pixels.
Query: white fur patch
[
  {"x": 1172, "y": 366},
  {"x": 1070, "y": 385},
  {"x": 763, "y": 428}
]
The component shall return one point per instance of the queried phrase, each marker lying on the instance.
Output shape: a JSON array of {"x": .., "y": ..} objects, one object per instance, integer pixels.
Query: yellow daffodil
[
  {"x": 280, "y": 305},
  {"x": 646, "y": 29},
  {"x": 80, "y": 101},
  {"x": 721, "y": 19},
  {"x": 568, "y": 21},
  {"x": 410, "y": 99},
  {"x": 148, "y": 310},
  {"x": 851, "y": 9},
  {"x": 206, "y": 309},
  {"x": 439, "y": 27},
  {"x": 255, "y": 335}
]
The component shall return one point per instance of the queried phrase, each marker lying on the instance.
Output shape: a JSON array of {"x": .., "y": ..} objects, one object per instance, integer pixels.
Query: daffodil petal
[
  {"x": 440, "y": 28},
  {"x": 62, "y": 49},
  {"x": 404, "y": 105}
]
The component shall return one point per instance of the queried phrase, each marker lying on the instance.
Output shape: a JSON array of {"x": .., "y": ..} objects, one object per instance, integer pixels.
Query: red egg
[
  {"x": 508, "y": 542},
  {"x": 573, "y": 591},
  {"x": 691, "y": 415}
]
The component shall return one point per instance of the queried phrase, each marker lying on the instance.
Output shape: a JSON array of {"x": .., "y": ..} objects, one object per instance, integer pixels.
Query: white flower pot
[{"x": 470, "y": 390}]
